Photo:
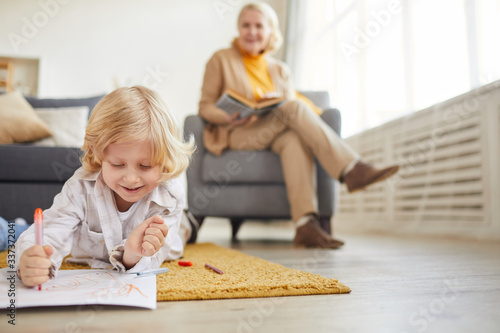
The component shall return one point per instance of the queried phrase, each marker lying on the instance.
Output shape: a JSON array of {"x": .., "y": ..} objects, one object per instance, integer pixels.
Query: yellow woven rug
[{"x": 244, "y": 277}]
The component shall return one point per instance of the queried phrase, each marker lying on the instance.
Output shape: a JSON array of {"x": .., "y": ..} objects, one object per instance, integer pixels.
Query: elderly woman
[{"x": 298, "y": 133}]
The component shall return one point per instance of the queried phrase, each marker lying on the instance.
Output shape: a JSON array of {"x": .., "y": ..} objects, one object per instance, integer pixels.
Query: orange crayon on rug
[{"x": 39, "y": 230}]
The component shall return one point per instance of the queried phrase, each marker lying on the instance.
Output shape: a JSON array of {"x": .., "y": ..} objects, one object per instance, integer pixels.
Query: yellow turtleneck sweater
[
  {"x": 257, "y": 73},
  {"x": 260, "y": 80}
]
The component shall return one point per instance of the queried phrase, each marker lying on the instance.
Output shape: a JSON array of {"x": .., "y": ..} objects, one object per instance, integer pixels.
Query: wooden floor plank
[{"x": 399, "y": 284}]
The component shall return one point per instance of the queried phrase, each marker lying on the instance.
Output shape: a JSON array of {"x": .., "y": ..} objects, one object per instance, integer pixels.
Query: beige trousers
[{"x": 298, "y": 135}]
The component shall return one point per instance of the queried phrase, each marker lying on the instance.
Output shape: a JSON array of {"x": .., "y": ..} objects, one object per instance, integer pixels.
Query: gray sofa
[
  {"x": 30, "y": 176},
  {"x": 242, "y": 185}
]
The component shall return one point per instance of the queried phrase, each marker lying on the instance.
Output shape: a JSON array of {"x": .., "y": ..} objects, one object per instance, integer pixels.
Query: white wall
[{"x": 89, "y": 47}]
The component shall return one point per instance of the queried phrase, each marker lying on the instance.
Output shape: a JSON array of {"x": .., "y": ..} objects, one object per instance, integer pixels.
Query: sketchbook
[
  {"x": 80, "y": 287},
  {"x": 232, "y": 101}
]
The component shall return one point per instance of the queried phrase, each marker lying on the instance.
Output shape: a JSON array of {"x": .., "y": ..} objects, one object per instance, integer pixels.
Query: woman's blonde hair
[
  {"x": 275, "y": 38},
  {"x": 136, "y": 114}
]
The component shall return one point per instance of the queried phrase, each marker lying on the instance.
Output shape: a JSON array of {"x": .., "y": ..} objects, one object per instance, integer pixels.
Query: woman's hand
[
  {"x": 145, "y": 240},
  {"x": 235, "y": 121},
  {"x": 34, "y": 265}
]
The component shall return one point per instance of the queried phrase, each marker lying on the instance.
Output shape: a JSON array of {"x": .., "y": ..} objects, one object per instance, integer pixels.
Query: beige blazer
[{"x": 224, "y": 70}]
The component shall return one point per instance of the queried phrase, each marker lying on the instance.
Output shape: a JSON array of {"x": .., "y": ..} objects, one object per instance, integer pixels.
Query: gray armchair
[{"x": 243, "y": 185}]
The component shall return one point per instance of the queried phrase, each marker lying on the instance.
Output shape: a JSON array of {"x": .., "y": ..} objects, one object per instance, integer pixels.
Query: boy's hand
[
  {"x": 34, "y": 265},
  {"x": 145, "y": 240}
]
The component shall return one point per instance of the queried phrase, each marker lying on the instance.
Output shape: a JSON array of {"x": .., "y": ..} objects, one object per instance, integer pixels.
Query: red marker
[
  {"x": 39, "y": 231},
  {"x": 185, "y": 263}
]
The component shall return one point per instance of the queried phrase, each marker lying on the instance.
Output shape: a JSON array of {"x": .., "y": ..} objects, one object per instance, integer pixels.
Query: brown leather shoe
[
  {"x": 311, "y": 235},
  {"x": 365, "y": 174}
]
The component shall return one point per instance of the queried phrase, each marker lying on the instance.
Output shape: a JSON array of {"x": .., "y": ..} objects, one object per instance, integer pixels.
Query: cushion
[
  {"x": 67, "y": 125},
  {"x": 242, "y": 167},
  {"x": 18, "y": 120},
  {"x": 89, "y": 102}
]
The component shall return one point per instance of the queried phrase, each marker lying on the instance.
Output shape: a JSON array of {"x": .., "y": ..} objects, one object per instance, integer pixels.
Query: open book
[{"x": 232, "y": 101}]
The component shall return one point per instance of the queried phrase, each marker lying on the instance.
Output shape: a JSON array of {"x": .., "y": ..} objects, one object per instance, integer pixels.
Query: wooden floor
[{"x": 399, "y": 284}]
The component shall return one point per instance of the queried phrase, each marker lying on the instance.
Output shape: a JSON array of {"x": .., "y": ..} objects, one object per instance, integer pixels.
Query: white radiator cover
[{"x": 449, "y": 181}]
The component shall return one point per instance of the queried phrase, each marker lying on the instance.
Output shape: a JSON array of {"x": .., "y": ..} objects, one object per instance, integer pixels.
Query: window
[{"x": 381, "y": 59}]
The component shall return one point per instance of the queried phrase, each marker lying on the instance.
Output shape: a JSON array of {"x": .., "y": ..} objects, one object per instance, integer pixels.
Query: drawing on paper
[
  {"x": 81, "y": 287},
  {"x": 114, "y": 285}
]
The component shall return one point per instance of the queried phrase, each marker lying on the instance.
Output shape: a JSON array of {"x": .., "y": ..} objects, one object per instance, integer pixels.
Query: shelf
[
  {"x": 19, "y": 74},
  {"x": 6, "y": 76}
]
